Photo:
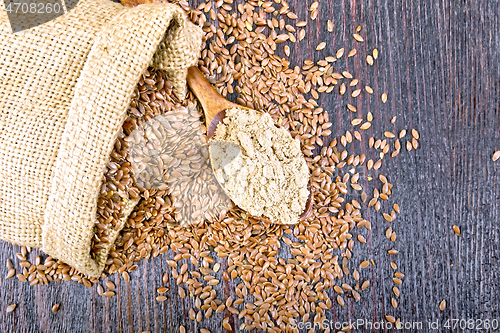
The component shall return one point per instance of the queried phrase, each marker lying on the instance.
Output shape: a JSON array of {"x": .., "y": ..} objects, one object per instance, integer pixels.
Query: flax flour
[{"x": 260, "y": 166}]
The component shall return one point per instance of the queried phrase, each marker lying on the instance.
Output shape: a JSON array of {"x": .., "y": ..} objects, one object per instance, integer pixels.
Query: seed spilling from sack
[{"x": 247, "y": 246}]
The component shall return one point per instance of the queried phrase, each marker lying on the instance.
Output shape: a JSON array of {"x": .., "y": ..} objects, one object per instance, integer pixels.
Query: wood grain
[{"x": 440, "y": 66}]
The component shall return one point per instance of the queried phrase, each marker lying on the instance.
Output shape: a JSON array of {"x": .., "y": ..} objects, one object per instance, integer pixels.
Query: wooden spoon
[{"x": 215, "y": 106}]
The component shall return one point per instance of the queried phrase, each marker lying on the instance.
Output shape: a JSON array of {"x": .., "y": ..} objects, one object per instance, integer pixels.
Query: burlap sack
[{"x": 64, "y": 90}]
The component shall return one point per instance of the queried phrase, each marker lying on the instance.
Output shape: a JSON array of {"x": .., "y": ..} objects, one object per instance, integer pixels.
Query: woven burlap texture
[{"x": 65, "y": 87}]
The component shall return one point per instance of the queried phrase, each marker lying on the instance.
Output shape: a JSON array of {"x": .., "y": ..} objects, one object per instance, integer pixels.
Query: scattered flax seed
[
  {"x": 442, "y": 305},
  {"x": 338, "y": 289},
  {"x": 351, "y": 53},
  {"x": 340, "y": 300},
  {"x": 369, "y": 116},
  {"x": 394, "y": 303},
  {"x": 399, "y": 275},
  {"x": 364, "y": 264},
  {"x": 365, "y": 126},
  {"x": 342, "y": 89},
  {"x": 415, "y": 134},
  {"x": 161, "y": 298},
  {"x": 396, "y": 207},
  {"x": 456, "y": 229},
  {"x": 357, "y": 135},
  {"x": 392, "y": 251},
  {"x": 365, "y": 284},
  {"x": 162, "y": 290},
  {"x": 10, "y": 273},
  {"x": 393, "y": 265},
  {"x": 351, "y": 108},
  {"x": 287, "y": 50},
  {"x": 358, "y": 28},
  {"x": 397, "y": 281},
  {"x": 55, "y": 307},
  {"x": 389, "y": 135},
  {"x": 356, "y": 93},
  {"x": 302, "y": 34},
  {"x": 496, "y": 155},
  {"x": 358, "y": 37},
  {"x": 330, "y": 25},
  {"x": 356, "y": 121},
  {"x": 384, "y": 97},
  {"x": 320, "y": 46},
  {"x": 110, "y": 285},
  {"x": 362, "y": 239},
  {"x": 388, "y": 232},
  {"x": 375, "y": 54},
  {"x": 414, "y": 143},
  {"x": 393, "y": 120},
  {"x": 346, "y": 286},
  {"x": 408, "y": 146},
  {"x": 11, "y": 308},
  {"x": 347, "y": 75},
  {"x": 108, "y": 293},
  {"x": 353, "y": 82},
  {"x": 182, "y": 329},
  {"x": 21, "y": 277},
  {"x": 390, "y": 319},
  {"x": 314, "y": 6},
  {"x": 369, "y": 89},
  {"x": 396, "y": 291},
  {"x": 182, "y": 292},
  {"x": 402, "y": 133},
  {"x": 339, "y": 53},
  {"x": 387, "y": 217},
  {"x": 369, "y": 60},
  {"x": 226, "y": 325}
]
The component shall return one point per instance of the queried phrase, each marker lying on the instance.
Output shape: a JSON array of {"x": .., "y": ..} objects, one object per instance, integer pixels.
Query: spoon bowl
[{"x": 214, "y": 107}]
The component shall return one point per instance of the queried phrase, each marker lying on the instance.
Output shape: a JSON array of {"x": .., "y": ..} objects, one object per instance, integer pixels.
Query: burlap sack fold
[{"x": 65, "y": 87}]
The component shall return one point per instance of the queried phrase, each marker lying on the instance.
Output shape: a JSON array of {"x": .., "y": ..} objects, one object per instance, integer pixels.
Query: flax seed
[
  {"x": 369, "y": 60},
  {"x": 330, "y": 25},
  {"x": 496, "y": 155},
  {"x": 320, "y": 46},
  {"x": 358, "y": 37},
  {"x": 365, "y": 126}
]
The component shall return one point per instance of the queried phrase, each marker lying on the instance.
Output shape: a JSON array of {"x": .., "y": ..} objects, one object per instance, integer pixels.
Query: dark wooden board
[{"x": 440, "y": 66}]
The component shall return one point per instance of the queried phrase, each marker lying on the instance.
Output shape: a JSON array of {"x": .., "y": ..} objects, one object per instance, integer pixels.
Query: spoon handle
[{"x": 210, "y": 100}]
